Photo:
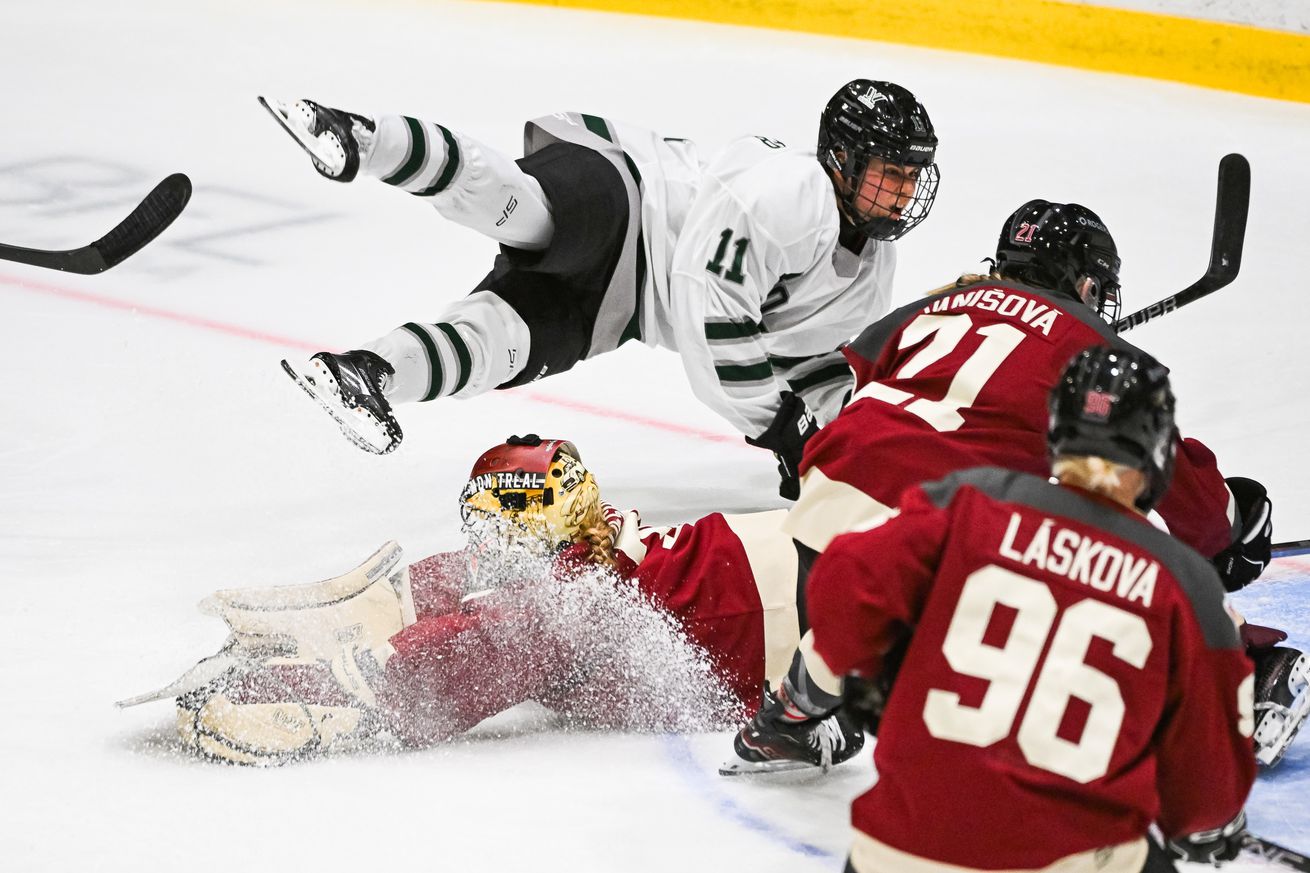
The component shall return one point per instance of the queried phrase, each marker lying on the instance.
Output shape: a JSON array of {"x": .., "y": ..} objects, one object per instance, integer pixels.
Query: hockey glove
[
  {"x": 864, "y": 700},
  {"x": 1242, "y": 563},
  {"x": 1211, "y": 847},
  {"x": 791, "y": 428}
]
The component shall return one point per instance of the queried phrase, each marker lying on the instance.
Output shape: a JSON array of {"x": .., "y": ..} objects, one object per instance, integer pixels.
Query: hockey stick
[
  {"x": 146, "y": 222},
  {"x": 1231, "y": 203},
  {"x": 1274, "y": 853},
  {"x": 1290, "y": 549}
]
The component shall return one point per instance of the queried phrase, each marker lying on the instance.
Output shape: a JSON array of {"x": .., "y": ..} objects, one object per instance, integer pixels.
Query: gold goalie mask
[{"x": 534, "y": 489}]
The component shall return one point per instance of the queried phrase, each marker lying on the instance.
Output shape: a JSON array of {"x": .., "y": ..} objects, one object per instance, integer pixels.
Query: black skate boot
[
  {"x": 351, "y": 386},
  {"x": 336, "y": 140},
  {"x": 772, "y": 742}
]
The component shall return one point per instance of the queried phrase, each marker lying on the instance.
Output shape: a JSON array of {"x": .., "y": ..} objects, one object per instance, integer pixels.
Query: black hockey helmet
[
  {"x": 879, "y": 120},
  {"x": 1064, "y": 247},
  {"x": 1116, "y": 404}
]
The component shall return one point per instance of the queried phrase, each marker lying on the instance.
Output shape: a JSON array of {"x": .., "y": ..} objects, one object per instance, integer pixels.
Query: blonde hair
[
  {"x": 965, "y": 279},
  {"x": 1100, "y": 476}
]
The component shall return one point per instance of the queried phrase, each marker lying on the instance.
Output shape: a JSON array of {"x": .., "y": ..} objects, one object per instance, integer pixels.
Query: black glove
[
  {"x": 1241, "y": 563},
  {"x": 791, "y": 428},
  {"x": 863, "y": 699},
  {"x": 1211, "y": 847}
]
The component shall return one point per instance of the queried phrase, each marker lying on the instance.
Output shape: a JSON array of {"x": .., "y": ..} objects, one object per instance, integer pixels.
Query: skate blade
[
  {"x": 738, "y": 767},
  {"x": 316, "y": 150},
  {"x": 360, "y": 427}
]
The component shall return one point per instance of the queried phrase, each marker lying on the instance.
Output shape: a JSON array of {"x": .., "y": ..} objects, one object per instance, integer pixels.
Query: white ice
[{"x": 152, "y": 451}]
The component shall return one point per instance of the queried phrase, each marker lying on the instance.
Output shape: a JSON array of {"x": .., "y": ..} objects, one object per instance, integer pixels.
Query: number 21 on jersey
[{"x": 947, "y": 332}]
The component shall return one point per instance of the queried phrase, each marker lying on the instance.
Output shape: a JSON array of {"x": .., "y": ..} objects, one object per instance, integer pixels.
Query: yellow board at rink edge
[{"x": 1230, "y": 57}]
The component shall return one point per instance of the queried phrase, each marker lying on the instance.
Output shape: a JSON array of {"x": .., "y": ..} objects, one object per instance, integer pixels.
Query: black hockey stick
[
  {"x": 1225, "y": 250},
  {"x": 1274, "y": 853},
  {"x": 146, "y": 222},
  {"x": 1290, "y": 549}
]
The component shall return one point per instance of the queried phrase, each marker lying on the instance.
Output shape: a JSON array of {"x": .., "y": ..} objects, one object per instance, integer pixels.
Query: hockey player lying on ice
[
  {"x": 558, "y": 598},
  {"x": 959, "y": 380},
  {"x": 1078, "y": 706}
]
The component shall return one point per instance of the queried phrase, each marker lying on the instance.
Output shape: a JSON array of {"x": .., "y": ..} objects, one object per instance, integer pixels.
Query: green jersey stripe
[
  {"x": 434, "y": 358},
  {"x": 744, "y": 372},
  {"x": 417, "y": 150},
  {"x": 597, "y": 126},
  {"x": 461, "y": 352},
  {"x": 449, "y": 170},
  {"x": 730, "y": 330},
  {"x": 830, "y": 373}
]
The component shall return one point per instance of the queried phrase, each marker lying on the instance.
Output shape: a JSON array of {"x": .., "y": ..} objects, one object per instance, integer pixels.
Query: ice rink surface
[{"x": 151, "y": 450}]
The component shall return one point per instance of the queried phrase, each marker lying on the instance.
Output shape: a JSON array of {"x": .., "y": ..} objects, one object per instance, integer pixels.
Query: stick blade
[
  {"x": 1231, "y": 205},
  {"x": 150, "y": 218}
]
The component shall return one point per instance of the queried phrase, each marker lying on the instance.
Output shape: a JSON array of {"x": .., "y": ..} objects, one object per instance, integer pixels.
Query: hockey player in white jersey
[{"x": 755, "y": 265}]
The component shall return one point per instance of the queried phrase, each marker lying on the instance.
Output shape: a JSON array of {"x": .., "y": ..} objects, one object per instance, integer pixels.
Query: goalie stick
[
  {"x": 146, "y": 222},
  {"x": 1231, "y": 204},
  {"x": 1274, "y": 853},
  {"x": 1290, "y": 549}
]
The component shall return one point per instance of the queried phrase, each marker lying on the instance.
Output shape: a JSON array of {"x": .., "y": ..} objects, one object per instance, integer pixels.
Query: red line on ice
[{"x": 203, "y": 323}]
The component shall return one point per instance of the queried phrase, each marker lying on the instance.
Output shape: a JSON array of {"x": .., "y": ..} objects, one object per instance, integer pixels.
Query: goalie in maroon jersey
[
  {"x": 960, "y": 379},
  {"x": 1054, "y": 655},
  {"x": 559, "y": 598}
]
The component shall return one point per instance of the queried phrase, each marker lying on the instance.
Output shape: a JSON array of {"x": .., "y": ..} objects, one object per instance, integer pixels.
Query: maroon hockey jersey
[
  {"x": 454, "y": 667},
  {"x": 1068, "y": 673},
  {"x": 961, "y": 380}
]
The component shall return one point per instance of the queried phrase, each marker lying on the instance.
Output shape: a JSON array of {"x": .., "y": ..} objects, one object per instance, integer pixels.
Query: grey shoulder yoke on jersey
[
  {"x": 1194, "y": 573},
  {"x": 870, "y": 343}
]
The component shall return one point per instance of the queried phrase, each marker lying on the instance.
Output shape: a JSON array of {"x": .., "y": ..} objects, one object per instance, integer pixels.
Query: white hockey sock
[
  {"x": 479, "y": 343},
  {"x": 466, "y": 181}
]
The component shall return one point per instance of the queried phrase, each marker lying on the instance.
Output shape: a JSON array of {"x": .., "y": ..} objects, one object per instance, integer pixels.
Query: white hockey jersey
[{"x": 746, "y": 279}]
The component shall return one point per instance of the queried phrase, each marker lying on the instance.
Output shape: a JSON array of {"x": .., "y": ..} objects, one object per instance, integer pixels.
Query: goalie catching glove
[{"x": 786, "y": 437}]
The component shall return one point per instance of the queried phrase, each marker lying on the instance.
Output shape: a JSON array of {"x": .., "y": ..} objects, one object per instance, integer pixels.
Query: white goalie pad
[{"x": 361, "y": 609}]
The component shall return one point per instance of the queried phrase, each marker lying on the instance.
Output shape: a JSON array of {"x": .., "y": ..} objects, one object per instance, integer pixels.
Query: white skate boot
[
  {"x": 336, "y": 140},
  {"x": 351, "y": 386}
]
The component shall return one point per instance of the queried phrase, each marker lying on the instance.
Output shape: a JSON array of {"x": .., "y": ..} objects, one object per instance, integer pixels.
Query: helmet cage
[{"x": 868, "y": 120}]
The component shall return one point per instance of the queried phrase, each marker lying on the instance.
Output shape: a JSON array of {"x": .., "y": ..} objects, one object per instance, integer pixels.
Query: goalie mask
[{"x": 531, "y": 489}]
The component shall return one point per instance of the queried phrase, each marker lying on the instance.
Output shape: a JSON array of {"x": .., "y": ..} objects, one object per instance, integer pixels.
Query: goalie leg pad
[
  {"x": 275, "y": 712},
  {"x": 358, "y": 610},
  {"x": 1282, "y": 701}
]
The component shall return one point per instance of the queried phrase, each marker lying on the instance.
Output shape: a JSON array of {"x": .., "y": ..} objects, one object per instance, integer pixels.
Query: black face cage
[{"x": 859, "y": 206}]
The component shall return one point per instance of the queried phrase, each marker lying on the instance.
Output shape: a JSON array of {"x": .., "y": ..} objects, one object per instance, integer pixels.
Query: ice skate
[
  {"x": 350, "y": 387},
  {"x": 1282, "y": 700},
  {"x": 771, "y": 743},
  {"x": 336, "y": 140}
]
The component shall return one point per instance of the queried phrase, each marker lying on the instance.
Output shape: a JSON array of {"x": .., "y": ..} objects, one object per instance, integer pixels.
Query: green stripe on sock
[
  {"x": 744, "y": 372},
  {"x": 451, "y": 168},
  {"x": 434, "y": 359},
  {"x": 461, "y": 352},
  {"x": 819, "y": 376},
  {"x": 730, "y": 330},
  {"x": 597, "y": 126},
  {"x": 418, "y": 148}
]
